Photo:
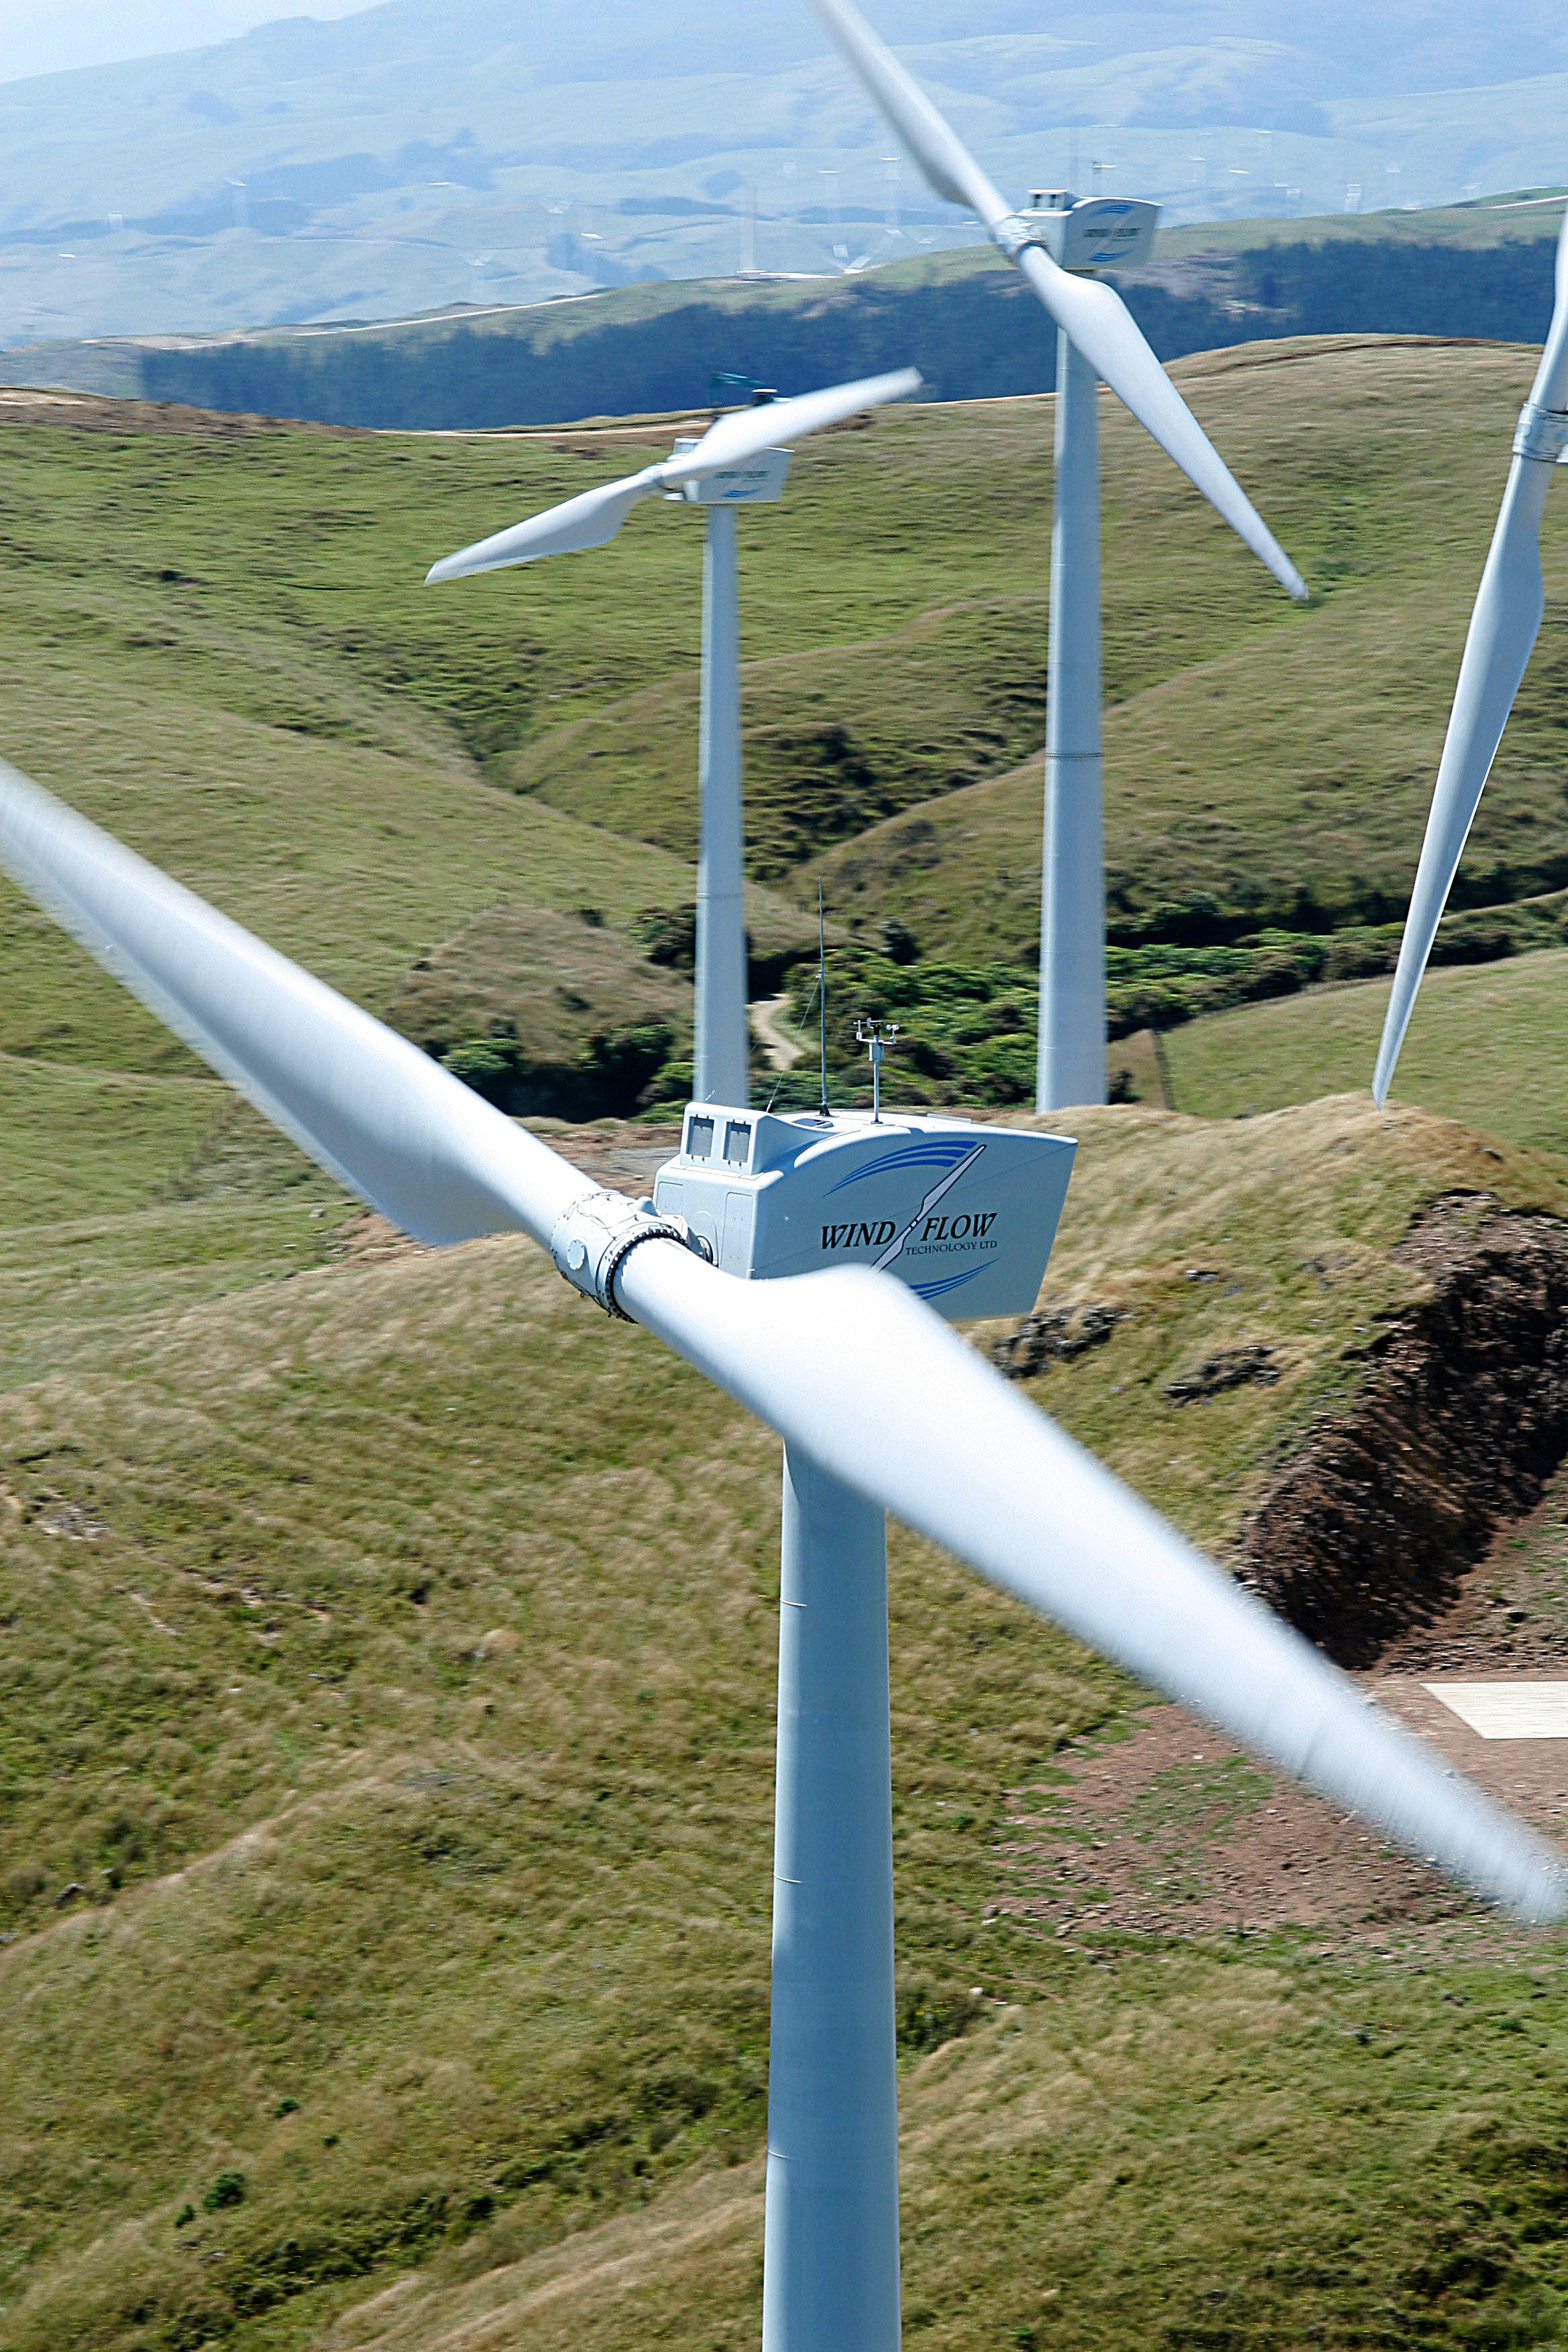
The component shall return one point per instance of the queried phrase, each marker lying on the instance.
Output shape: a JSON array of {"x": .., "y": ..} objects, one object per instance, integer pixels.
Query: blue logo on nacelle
[{"x": 931, "y": 1151}]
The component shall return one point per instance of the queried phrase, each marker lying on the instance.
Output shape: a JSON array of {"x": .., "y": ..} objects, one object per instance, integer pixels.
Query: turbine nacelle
[
  {"x": 963, "y": 1215},
  {"x": 1082, "y": 234},
  {"x": 752, "y": 481}
]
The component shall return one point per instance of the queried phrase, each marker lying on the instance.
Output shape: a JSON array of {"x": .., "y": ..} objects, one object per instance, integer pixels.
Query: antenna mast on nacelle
[{"x": 822, "y": 997}]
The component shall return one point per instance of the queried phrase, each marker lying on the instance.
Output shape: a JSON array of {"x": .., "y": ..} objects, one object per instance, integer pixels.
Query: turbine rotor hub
[
  {"x": 1542, "y": 434},
  {"x": 595, "y": 1237}
]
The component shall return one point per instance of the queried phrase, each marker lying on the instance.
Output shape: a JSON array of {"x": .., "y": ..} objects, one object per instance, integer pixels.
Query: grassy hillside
[
  {"x": 1469, "y": 1028},
  {"x": 1285, "y": 778},
  {"x": 386, "y": 1787},
  {"x": 1265, "y": 766},
  {"x": 965, "y": 317},
  {"x": 385, "y": 1697},
  {"x": 219, "y": 645}
]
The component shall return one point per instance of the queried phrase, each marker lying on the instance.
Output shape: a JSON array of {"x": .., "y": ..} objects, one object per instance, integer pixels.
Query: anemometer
[{"x": 877, "y": 1036}]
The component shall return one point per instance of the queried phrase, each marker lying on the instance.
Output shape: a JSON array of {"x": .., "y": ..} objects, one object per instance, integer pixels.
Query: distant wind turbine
[
  {"x": 741, "y": 460},
  {"x": 1057, "y": 251}
]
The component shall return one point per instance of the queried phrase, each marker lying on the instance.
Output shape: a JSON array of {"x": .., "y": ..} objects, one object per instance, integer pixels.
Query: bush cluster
[{"x": 617, "y": 1073}]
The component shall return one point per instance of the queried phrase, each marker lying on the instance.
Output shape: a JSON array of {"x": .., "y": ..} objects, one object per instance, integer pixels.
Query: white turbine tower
[
  {"x": 880, "y": 1408},
  {"x": 1503, "y": 629},
  {"x": 739, "y": 461},
  {"x": 1057, "y": 248}
]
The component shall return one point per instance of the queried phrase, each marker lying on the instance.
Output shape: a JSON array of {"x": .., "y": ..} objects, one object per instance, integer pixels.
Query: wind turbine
[
  {"x": 1057, "y": 246},
  {"x": 880, "y": 1408},
  {"x": 738, "y": 461},
  {"x": 1503, "y": 629}
]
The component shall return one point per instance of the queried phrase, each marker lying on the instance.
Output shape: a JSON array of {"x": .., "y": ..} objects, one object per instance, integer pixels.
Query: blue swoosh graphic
[
  {"x": 940, "y": 1289},
  {"x": 930, "y": 1152}
]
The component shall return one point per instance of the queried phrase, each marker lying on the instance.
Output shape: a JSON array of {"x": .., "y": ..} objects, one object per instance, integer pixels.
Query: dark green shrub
[{"x": 669, "y": 936}]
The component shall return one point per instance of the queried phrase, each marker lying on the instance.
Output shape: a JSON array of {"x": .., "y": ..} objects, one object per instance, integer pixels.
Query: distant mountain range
[{"x": 420, "y": 153}]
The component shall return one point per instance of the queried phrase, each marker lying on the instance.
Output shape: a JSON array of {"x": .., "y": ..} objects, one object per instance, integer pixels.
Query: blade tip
[
  {"x": 1384, "y": 1069},
  {"x": 1286, "y": 574}
]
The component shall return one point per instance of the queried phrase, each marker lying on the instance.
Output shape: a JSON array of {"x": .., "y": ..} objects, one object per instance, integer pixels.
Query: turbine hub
[
  {"x": 595, "y": 1237},
  {"x": 1542, "y": 434}
]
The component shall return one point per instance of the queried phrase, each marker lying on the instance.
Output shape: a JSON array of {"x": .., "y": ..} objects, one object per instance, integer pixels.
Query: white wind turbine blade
[
  {"x": 1502, "y": 633},
  {"x": 865, "y": 1379},
  {"x": 850, "y": 1367},
  {"x": 747, "y": 432},
  {"x": 1099, "y": 321},
  {"x": 371, "y": 1109},
  {"x": 590, "y": 519},
  {"x": 936, "y": 147},
  {"x": 594, "y": 517},
  {"x": 1093, "y": 315}
]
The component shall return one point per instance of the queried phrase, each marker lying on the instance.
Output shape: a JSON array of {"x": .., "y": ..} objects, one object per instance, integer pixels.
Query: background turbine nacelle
[
  {"x": 1087, "y": 233},
  {"x": 965, "y": 1216},
  {"x": 754, "y": 481}
]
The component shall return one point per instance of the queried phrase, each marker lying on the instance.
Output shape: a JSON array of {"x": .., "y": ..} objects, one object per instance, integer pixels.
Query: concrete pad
[{"x": 1515, "y": 1709}]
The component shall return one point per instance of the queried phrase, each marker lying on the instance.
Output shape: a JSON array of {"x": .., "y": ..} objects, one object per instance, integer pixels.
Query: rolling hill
[
  {"x": 386, "y": 1699},
  {"x": 1481, "y": 268},
  {"x": 1266, "y": 770}
]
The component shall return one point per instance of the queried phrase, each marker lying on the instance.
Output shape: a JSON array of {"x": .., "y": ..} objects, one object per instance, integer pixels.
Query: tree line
[{"x": 974, "y": 337}]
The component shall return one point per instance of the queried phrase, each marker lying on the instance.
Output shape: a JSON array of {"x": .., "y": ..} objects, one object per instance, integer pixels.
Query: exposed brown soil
[
  {"x": 623, "y": 1153},
  {"x": 1054, "y": 1335},
  {"x": 1427, "y": 1531},
  {"x": 1368, "y": 1531},
  {"x": 91, "y": 412},
  {"x": 1174, "y": 1832},
  {"x": 367, "y": 1238},
  {"x": 1188, "y": 1837}
]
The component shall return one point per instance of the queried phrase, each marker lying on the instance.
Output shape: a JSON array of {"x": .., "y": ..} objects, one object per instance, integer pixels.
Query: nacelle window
[
  {"x": 737, "y": 1144},
  {"x": 699, "y": 1140}
]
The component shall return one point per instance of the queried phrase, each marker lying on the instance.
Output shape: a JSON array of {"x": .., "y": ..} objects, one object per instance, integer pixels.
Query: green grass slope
[
  {"x": 1488, "y": 1046},
  {"x": 193, "y": 656},
  {"x": 386, "y": 1689},
  {"x": 1174, "y": 2151},
  {"x": 1286, "y": 777},
  {"x": 1264, "y": 766},
  {"x": 385, "y": 1750}
]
